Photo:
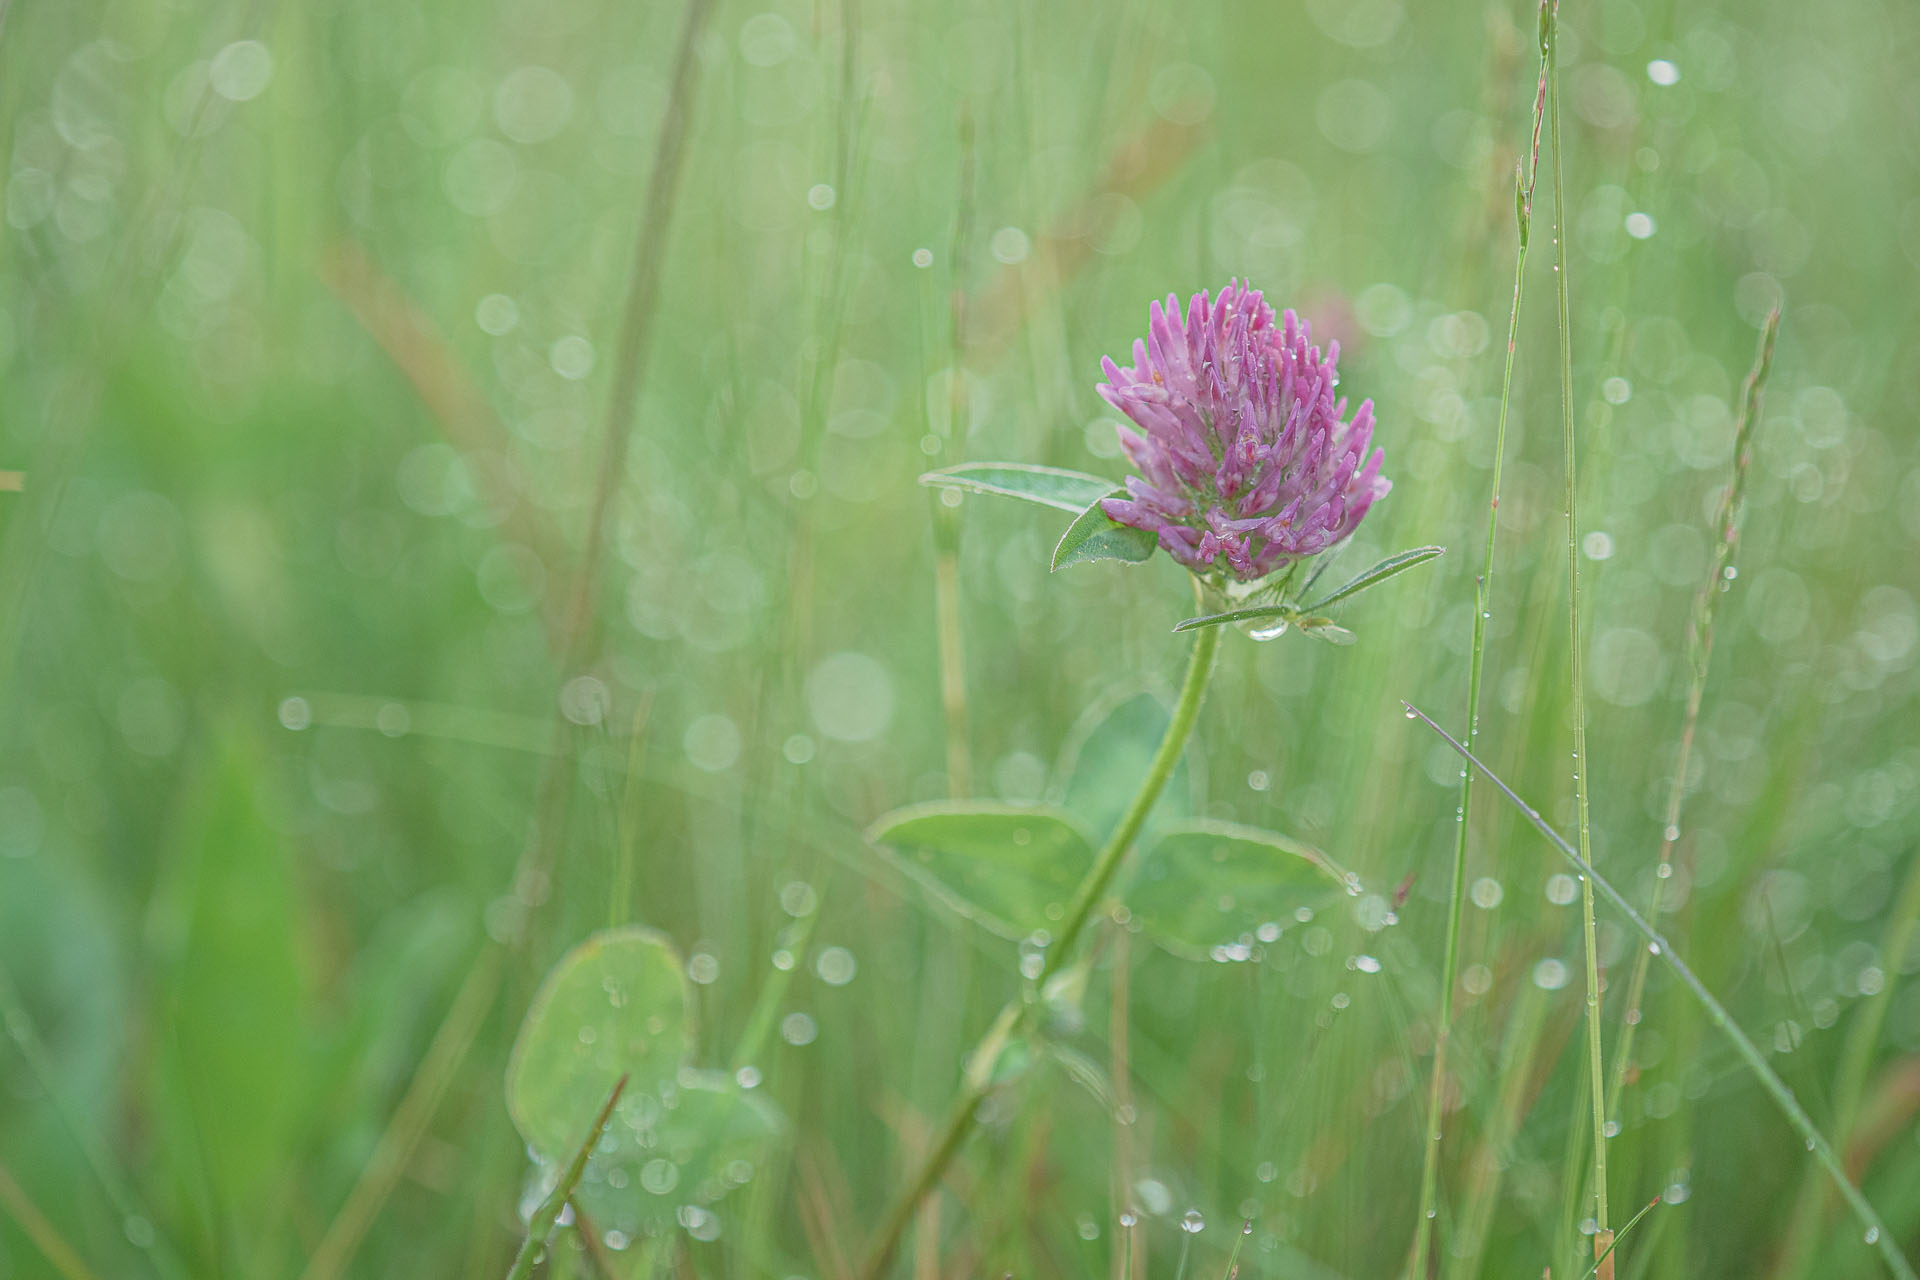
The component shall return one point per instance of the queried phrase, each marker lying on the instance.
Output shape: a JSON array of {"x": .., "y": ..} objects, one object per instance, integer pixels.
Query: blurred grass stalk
[
  {"x": 455, "y": 1035},
  {"x": 946, "y": 518},
  {"x": 120, "y": 1193},
  {"x": 1482, "y": 611},
  {"x": 1596, "y": 1072},
  {"x": 45, "y": 1236},
  {"x": 1699, "y": 652}
]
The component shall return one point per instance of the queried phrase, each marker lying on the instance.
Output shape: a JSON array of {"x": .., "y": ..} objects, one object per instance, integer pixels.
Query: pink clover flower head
[{"x": 1247, "y": 460}]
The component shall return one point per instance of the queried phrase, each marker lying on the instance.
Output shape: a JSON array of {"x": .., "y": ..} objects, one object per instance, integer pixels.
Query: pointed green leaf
[
  {"x": 235, "y": 1068},
  {"x": 999, "y": 865},
  {"x": 1097, "y": 536},
  {"x": 1378, "y": 574},
  {"x": 1208, "y": 884},
  {"x": 1069, "y": 491},
  {"x": 1254, "y": 613}
]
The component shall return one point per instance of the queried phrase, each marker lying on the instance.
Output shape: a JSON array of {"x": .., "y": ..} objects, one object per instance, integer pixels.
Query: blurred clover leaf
[
  {"x": 1108, "y": 751},
  {"x": 1206, "y": 885},
  {"x": 1003, "y": 866},
  {"x": 680, "y": 1138}
]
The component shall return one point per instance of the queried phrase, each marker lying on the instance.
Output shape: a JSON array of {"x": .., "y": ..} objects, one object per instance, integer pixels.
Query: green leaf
[
  {"x": 1378, "y": 574},
  {"x": 1208, "y": 884},
  {"x": 234, "y": 1071},
  {"x": 615, "y": 1005},
  {"x": 999, "y": 865},
  {"x": 619, "y": 1004},
  {"x": 1255, "y": 613},
  {"x": 540, "y": 1225},
  {"x": 1097, "y": 536},
  {"x": 1109, "y": 751},
  {"x": 1069, "y": 491},
  {"x": 690, "y": 1144}
]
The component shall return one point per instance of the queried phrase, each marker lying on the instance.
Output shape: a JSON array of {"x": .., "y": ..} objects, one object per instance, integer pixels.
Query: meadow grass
[{"x": 457, "y": 493}]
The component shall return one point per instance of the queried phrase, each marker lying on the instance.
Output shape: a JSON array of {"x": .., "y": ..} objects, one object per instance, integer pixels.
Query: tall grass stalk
[
  {"x": 1700, "y": 651},
  {"x": 978, "y": 1081},
  {"x": 1749, "y": 1053},
  {"x": 946, "y": 519},
  {"x": 1602, "y": 1238},
  {"x": 455, "y": 1035},
  {"x": 1482, "y": 611}
]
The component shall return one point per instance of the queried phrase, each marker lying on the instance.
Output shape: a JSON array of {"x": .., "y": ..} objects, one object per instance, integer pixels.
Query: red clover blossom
[{"x": 1246, "y": 464}]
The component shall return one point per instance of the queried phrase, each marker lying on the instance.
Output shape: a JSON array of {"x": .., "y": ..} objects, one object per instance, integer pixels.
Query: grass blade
[
  {"x": 1620, "y": 1235},
  {"x": 1876, "y": 1233},
  {"x": 1482, "y": 610},
  {"x": 1602, "y": 1238},
  {"x": 1378, "y": 574},
  {"x": 540, "y": 1225}
]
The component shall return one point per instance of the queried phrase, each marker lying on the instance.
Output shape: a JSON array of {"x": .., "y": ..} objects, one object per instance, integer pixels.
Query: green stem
[
  {"x": 1094, "y": 885},
  {"x": 1482, "y": 611},
  {"x": 540, "y": 1225},
  {"x": 1595, "y": 1065},
  {"x": 1015, "y": 1016}
]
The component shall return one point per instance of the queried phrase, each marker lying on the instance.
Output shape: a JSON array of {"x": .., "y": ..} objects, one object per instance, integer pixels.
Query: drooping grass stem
[
  {"x": 978, "y": 1080},
  {"x": 1749, "y": 1053},
  {"x": 1482, "y": 611},
  {"x": 1602, "y": 1238}
]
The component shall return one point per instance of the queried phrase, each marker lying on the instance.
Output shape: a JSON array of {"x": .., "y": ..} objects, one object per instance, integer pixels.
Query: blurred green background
[{"x": 310, "y": 325}]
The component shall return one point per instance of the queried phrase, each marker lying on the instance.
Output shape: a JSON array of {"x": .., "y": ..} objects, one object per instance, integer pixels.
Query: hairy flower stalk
[{"x": 1247, "y": 460}]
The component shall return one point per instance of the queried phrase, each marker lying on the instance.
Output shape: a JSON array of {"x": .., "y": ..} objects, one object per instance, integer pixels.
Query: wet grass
[{"x": 431, "y": 532}]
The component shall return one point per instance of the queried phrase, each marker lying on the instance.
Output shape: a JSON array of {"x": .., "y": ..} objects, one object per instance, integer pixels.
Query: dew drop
[
  {"x": 1873, "y": 1235},
  {"x": 1193, "y": 1222}
]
